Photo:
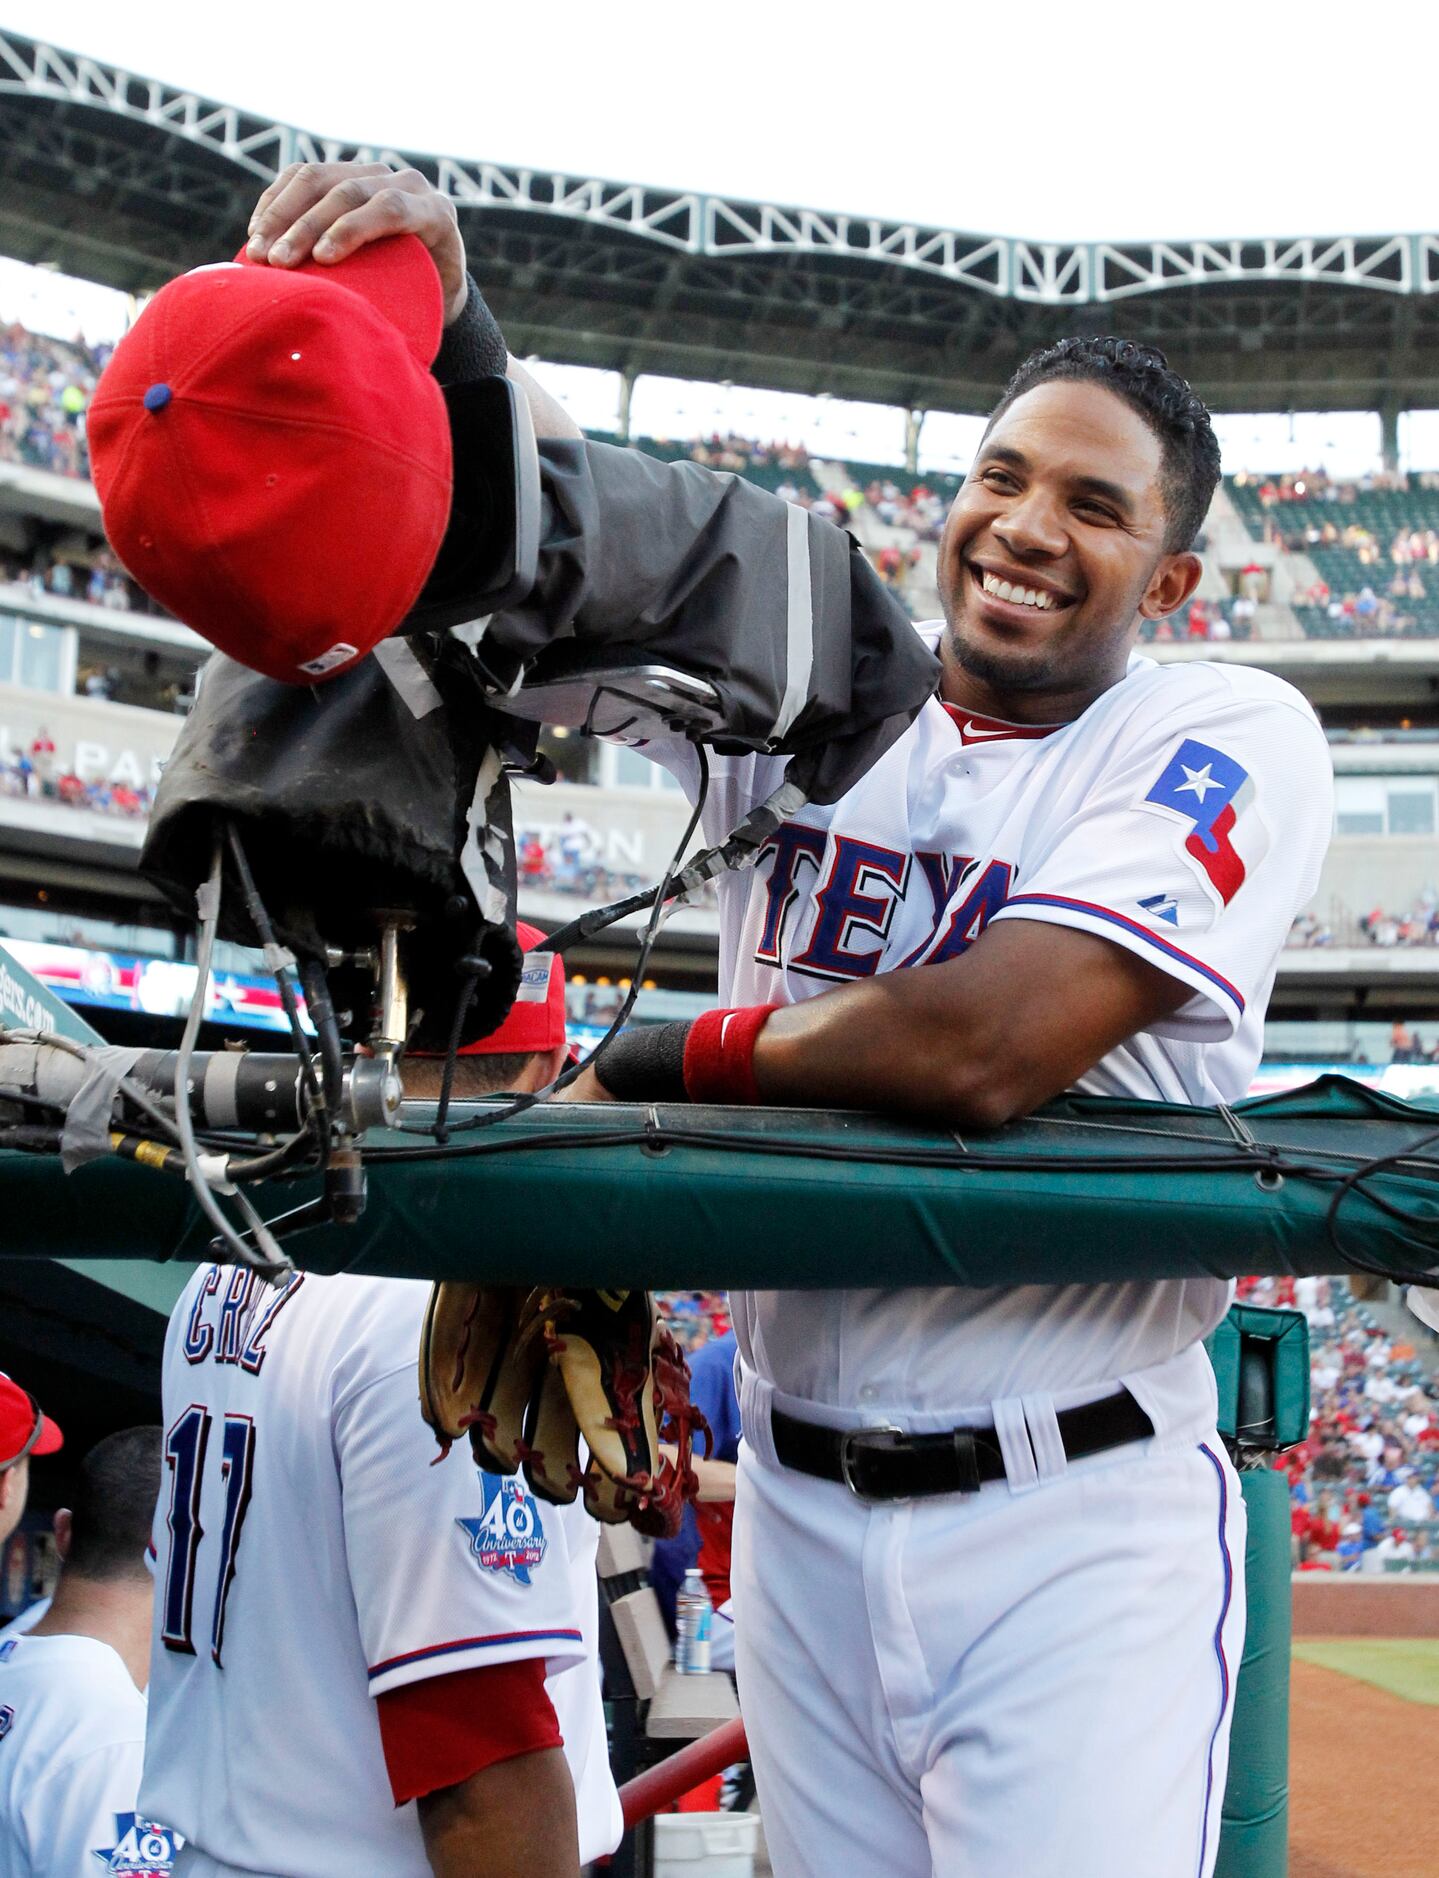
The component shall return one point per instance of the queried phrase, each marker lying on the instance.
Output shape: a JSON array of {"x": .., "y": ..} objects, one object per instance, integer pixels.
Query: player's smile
[{"x": 1013, "y": 596}]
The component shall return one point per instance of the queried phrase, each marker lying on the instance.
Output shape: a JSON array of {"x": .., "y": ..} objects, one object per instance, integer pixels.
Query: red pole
[{"x": 702, "y": 1759}]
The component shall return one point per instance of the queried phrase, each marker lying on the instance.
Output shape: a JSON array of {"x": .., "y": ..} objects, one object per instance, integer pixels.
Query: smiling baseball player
[{"x": 1075, "y": 869}]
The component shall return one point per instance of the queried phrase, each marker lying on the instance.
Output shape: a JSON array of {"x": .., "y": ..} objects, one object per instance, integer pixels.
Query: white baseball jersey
[
  {"x": 310, "y": 1557},
  {"x": 1184, "y": 816},
  {"x": 26, "y": 1620},
  {"x": 72, "y": 1734}
]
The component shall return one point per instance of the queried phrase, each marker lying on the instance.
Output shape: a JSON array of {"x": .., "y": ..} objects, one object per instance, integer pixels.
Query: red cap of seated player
[
  {"x": 23, "y": 1428},
  {"x": 273, "y": 456},
  {"x": 536, "y": 1019}
]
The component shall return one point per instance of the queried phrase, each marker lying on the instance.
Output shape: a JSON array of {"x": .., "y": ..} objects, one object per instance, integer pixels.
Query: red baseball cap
[
  {"x": 536, "y": 1019},
  {"x": 24, "y": 1429},
  {"x": 273, "y": 456}
]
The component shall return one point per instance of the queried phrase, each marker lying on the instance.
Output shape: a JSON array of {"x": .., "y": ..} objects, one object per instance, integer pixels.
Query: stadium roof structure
[{"x": 128, "y": 180}]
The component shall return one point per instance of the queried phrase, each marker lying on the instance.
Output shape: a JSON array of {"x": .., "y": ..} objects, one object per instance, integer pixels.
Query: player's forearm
[
  {"x": 973, "y": 1042},
  {"x": 551, "y": 419},
  {"x": 903, "y": 1043},
  {"x": 474, "y": 347},
  {"x": 716, "y": 1478},
  {"x": 515, "y": 1819}
]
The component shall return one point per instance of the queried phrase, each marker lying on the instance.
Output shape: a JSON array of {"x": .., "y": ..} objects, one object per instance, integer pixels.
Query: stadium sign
[{"x": 26, "y": 1004}]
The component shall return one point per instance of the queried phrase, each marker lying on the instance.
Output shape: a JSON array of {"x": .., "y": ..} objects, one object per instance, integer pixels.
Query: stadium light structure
[{"x": 126, "y": 179}]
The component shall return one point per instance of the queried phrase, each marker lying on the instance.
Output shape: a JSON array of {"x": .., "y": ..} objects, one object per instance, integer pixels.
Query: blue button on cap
[{"x": 156, "y": 398}]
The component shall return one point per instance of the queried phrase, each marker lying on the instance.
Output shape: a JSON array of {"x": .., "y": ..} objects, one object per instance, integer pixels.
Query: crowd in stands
[
  {"x": 95, "y": 577},
  {"x": 565, "y": 860},
  {"x": 1373, "y": 544},
  {"x": 1378, "y": 927},
  {"x": 37, "y": 773},
  {"x": 1365, "y": 614},
  {"x": 1362, "y": 1485},
  {"x": 1418, "y": 927},
  {"x": 917, "y": 505},
  {"x": 695, "y": 1317},
  {"x": 1213, "y": 620},
  {"x": 1317, "y": 485},
  {"x": 45, "y": 386},
  {"x": 742, "y": 455},
  {"x": 1407, "y": 1046}
]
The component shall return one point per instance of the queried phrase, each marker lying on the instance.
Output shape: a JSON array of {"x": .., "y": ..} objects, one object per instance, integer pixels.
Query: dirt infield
[{"x": 1360, "y": 1762}]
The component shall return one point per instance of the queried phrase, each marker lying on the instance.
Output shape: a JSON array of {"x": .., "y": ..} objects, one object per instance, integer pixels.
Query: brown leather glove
[{"x": 527, "y": 1375}]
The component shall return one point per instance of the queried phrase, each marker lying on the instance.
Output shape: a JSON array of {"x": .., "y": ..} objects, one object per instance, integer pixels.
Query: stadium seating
[
  {"x": 1374, "y": 1428},
  {"x": 1152, "y": 630},
  {"x": 1269, "y": 506},
  {"x": 944, "y": 483},
  {"x": 760, "y": 464}
]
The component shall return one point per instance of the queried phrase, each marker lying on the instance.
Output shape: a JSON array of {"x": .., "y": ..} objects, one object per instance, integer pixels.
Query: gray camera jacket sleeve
[{"x": 811, "y": 655}]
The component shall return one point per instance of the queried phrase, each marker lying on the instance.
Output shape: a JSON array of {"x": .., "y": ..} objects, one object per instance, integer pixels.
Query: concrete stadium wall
[
  {"x": 1361, "y": 871},
  {"x": 1404, "y": 1605}
]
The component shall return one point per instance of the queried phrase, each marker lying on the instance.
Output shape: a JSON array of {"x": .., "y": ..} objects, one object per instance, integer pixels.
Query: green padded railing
[{"x": 1088, "y": 1190}]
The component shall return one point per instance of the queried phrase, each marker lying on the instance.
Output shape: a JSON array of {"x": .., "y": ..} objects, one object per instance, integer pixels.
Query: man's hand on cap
[{"x": 325, "y": 211}]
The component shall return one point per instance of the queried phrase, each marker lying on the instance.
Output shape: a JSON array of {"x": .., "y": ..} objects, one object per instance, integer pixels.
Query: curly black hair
[{"x": 1142, "y": 376}]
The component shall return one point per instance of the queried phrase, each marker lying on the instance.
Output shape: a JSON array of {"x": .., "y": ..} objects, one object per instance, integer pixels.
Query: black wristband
[
  {"x": 473, "y": 345},
  {"x": 646, "y": 1064}
]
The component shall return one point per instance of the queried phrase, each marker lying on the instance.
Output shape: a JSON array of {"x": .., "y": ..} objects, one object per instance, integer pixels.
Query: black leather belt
[{"x": 886, "y": 1464}]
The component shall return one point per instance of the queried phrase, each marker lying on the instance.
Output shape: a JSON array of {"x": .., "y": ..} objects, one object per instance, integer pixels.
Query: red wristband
[{"x": 719, "y": 1054}]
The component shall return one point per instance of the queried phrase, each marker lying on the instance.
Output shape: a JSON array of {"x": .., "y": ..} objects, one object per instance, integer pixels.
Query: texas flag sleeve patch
[{"x": 1216, "y": 795}]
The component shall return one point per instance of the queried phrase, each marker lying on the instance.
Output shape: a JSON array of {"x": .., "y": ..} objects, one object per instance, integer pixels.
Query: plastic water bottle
[{"x": 694, "y": 1620}]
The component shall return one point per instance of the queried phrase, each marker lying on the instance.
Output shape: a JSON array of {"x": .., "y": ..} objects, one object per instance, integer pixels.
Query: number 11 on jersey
[{"x": 186, "y": 1446}]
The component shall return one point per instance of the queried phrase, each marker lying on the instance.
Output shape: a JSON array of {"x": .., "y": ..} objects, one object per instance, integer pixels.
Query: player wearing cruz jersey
[{"x": 365, "y": 1663}]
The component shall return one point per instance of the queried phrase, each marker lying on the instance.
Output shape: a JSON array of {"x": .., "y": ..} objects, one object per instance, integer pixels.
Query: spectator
[
  {"x": 72, "y": 1686},
  {"x": 1395, "y": 1547},
  {"x": 1410, "y": 1503},
  {"x": 1369, "y": 1463},
  {"x": 45, "y": 385},
  {"x": 42, "y": 760}
]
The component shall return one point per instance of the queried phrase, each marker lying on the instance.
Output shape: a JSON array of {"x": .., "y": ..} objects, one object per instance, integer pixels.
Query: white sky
[
  {"x": 1049, "y": 121},
  {"x": 1046, "y": 119}
]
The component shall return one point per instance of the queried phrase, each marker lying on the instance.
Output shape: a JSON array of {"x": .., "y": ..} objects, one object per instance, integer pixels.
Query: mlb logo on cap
[
  {"x": 273, "y": 456},
  {"x": 536, "y": 1019}
]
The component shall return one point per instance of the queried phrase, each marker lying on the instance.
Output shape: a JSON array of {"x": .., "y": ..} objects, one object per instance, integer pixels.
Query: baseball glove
[{"x": 528, "y": 1375}]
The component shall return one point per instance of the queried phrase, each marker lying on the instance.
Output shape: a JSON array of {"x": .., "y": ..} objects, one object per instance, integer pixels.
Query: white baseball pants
[{"x": 998, "y": 1685}]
